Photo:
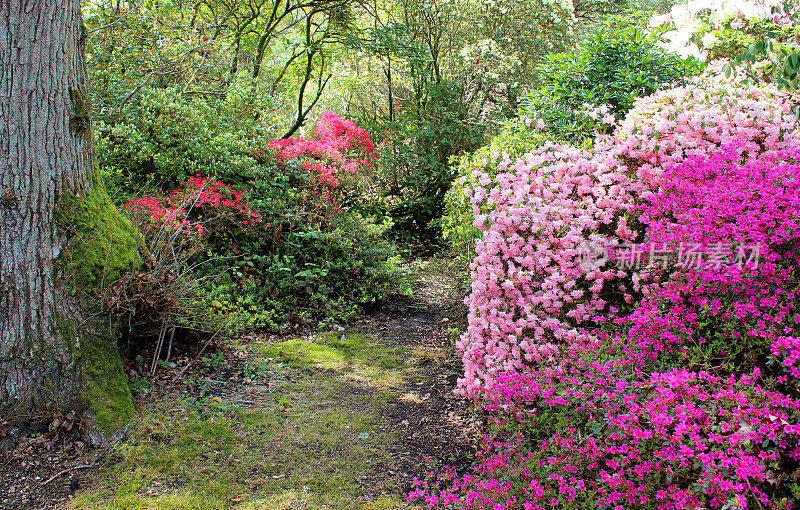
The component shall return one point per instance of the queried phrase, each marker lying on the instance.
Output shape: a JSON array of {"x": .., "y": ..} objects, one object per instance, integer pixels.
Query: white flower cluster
[
  {"x": 690, "y": 17},
  {"x": 564, "y": 4}
]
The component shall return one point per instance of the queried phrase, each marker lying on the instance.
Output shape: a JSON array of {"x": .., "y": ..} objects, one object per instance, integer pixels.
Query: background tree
[
  {"x": 209, "y": 49},
  {"x": 186, "y": 88},
  {"x": 62, "y": 239}
]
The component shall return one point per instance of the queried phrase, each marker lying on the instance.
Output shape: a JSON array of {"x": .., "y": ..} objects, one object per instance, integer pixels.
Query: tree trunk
[{"x": 56, "y": 226}]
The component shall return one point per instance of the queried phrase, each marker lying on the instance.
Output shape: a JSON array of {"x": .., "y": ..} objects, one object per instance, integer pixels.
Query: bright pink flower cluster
[
  {"x": 579, "y": 358},
  {"x": 673, "y": 440},
  {"x": 338, "y": 145},
  {"x": 198, "y": 194},
  {"x": 743, "y": 305}
]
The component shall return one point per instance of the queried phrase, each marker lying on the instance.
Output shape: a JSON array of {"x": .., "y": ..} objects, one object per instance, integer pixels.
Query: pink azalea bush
[
  {"x": 558, "y": 203},
  {"x": 671, "y": 125},
  {"x": 668, "y": 383},
  {"x": 529, "y": 292}
]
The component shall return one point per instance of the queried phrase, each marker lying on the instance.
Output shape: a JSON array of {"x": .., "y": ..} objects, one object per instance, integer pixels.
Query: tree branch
[{"x": 116, "y": 20}]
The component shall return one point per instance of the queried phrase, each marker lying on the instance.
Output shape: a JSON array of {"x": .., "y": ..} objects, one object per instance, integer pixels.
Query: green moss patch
[
  {"x": 299, "y": 500},
  {"x": 108, "y": 394},
  {"x": 300, "y": 353},
  {"x": 104, "y": 244},
  {"x": 288, "y": 437},
  {"x": 313, "y": 443},
  {"x": 355, "y": 354}
]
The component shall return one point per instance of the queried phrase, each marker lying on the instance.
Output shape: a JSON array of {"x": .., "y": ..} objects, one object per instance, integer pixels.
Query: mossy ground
[
  {"x": 332, "y": 420},
  {"x": 355, "y": 355},
  {"x": 303, "y": 432}
]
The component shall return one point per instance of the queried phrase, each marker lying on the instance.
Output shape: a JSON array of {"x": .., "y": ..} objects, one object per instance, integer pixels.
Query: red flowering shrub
[
  {"x": 196, "y": 237},
  {"x": 278, "y": 267},
  {"x": 191, "y": 209},
  {"x": 339, "y": 150}
]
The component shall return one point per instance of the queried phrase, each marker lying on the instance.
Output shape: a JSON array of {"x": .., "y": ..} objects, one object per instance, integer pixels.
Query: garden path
[{"x": 340, "y": 419}]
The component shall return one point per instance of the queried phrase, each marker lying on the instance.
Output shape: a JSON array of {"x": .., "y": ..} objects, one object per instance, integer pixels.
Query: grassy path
[{"x": 334, "y": 420}]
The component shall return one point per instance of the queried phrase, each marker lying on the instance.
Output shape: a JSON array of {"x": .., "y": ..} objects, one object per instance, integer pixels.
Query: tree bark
[{"x": 46, "y": 161}]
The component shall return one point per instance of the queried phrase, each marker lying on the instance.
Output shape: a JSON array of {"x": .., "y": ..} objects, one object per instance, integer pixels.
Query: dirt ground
[{"x": 344, "y": 418}]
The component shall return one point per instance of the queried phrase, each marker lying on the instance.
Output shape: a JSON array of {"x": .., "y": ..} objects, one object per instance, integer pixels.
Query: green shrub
[
  {"x": 161, "y": 137},
  {"x": 262, "y": 259},
  {"x": 349, "y": 262},
  {"x": 281, "y": 270},
  {"x": 766, "y": 51},
  {"x": 415, "y": 158},
  {"x": 607, "y": 70}
]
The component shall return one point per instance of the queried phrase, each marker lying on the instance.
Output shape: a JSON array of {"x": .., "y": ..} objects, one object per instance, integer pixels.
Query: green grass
[
  {"x": 311, "y": 441},
  {"x": 355, "y": 354},
  {"x": 293, "y": 500}
]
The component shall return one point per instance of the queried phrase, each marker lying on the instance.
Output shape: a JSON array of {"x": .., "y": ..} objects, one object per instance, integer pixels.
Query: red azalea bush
[
  {"x": 287, "y": 252},
  {"x": 339, "y": 150},
  {"x": 204, "y": 220},
  {"x": 659, "y": 380},
  {"x": 191, "y": 210}
]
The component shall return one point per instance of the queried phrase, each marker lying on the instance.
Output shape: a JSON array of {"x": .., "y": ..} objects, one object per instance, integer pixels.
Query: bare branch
[{"x": 116, "y": 20}]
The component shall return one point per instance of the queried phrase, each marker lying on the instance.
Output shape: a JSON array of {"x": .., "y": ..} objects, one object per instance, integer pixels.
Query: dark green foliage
[
  {"x": 291, "y": 267},
  {"x": 415, "y": 162},
  {"x": 298, "y": 271},
  {"x": 320, "y": 265},
  {"x": 162, "y": 137},
  {"x": 731, "y": 42},
  {"x": 612, "y": 67}
]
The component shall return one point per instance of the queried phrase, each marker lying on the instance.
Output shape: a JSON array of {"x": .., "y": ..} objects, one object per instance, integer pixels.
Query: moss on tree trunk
[{"x": 103, "y": 246}]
